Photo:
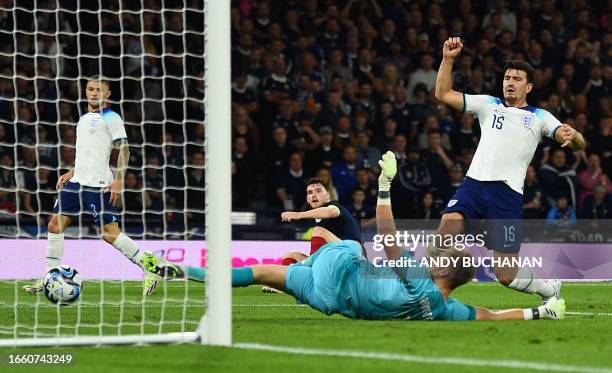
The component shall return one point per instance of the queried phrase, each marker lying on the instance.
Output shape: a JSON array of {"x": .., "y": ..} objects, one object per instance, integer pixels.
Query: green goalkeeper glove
[{"x": 388, "y": 167}]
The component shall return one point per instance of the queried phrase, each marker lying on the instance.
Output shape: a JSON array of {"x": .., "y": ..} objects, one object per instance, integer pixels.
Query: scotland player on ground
[
  {"x": 91, "y": 184},
  {"x": 511, "y": 130}
]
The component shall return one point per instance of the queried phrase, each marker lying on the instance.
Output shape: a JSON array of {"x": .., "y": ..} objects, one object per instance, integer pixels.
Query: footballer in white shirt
[
  {"x": 493, "y": 188},
  {"x": 91, "y": 184}
]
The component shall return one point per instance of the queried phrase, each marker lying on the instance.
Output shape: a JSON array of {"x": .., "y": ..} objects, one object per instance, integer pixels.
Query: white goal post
[{"x": 214, "y": 326}]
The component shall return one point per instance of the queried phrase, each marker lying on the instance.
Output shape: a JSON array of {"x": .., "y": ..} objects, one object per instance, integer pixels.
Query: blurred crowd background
[{"x": 319, "y": 89}]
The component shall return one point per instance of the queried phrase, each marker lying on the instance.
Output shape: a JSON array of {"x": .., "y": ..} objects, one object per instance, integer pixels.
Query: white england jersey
[
  {"x": 95, "y": 135},
  {"x": 509, "y": 138}
]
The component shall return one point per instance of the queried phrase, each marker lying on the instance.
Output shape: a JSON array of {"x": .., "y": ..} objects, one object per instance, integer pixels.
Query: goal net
[{"x": 153, "y": 53}]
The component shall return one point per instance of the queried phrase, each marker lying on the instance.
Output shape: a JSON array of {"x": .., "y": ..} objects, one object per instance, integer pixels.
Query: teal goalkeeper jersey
[{"x": 344, "y": 282}]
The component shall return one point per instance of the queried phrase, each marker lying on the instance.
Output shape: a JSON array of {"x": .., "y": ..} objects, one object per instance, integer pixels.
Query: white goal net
[{"x": 152, "y": 52}]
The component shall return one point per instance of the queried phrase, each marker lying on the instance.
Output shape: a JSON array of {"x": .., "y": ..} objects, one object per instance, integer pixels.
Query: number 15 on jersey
[{"x": 498, "y": 121}]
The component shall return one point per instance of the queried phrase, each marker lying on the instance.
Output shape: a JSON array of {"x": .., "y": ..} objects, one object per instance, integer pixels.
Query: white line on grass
[
  {"x": 516, "y": 364},
  {"x": 590, "y": 313}
]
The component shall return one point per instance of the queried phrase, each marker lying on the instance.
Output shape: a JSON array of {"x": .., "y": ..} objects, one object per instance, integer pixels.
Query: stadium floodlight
[{"x": 155, "y": 53}]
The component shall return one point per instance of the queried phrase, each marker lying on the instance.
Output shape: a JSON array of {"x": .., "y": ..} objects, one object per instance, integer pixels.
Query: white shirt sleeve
[
  {"x": 116, "y": 127},
  {"x": 549, "y": 124},
  {"x": 473, "y": 104}
]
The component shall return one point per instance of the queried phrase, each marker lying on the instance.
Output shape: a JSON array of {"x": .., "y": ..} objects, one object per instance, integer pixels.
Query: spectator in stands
[
  {"x": 344, "y": 173},
  {"x": 7, "y": 184},
  {"x": 242, "y": 95},
  {"x": 324, "y": 175},
  {"x": 428, "y": 209},
  {"x": 558, "y": 179},
  {"x": 326, "y": 153},
  {"x": 336, "y": 66},
  {"x": 533, "y": 200},
  {"x": 423, "y": 75},
  {"x": 291, "y": 184},
  {"x": 561, "y": 215},
  {"x": 414, "y": 179},
  {"x": 385, "y": 138},
  {"x": 436, "y": 159},
  {"x": 195, "y": 191},
  {"x": 598, "y": 205},
  {"x": 446, "y": 191},
  {"x": 154, "y": 184},
  {"x": 306, "y": 138},
  {"x": 591, "y": 176},
  {"x": 47, "y": 150},
  {"x": 244, "y": 170},
  {"x": 364, "y": 182},
  {"x": 467, "y": 136},
  {"x": 344, "y": 134},
  {"x": 367, "y": 155},
  {"x": 133, "y": 196},
  {"x": 332, "y": 111},
  {"x": 361, "y": 211},
  {"x": 601, "y": 143},
  {"x": 400, "y": 148},
  {"x": 287, "y": 119}
]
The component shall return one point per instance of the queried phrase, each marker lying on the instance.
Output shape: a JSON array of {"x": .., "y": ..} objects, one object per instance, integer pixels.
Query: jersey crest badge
[
  {"x": 93, "y": 125},
  {"x": 451, "y": 203},
  {"x": 528, "y": 120}
]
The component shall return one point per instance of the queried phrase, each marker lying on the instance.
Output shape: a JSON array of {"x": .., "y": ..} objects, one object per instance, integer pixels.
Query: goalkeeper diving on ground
[{"x": 338, "y": 279}]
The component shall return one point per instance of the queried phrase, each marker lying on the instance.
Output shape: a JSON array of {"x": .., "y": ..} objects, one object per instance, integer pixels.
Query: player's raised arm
[
  {"x": 385, "y": 224},
  {"x": 444, "y": 84}
]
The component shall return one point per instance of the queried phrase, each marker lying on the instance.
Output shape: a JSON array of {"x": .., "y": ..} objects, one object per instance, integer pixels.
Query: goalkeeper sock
[
  {"x": 288, "y": 261},
  {"x": 527, "y": 282},
  {"x": 55, "y": 249},
  {"x": 240, "y": 276},
  {"x": 315, "y": 243},
  {"x": 128, "y": 248}
]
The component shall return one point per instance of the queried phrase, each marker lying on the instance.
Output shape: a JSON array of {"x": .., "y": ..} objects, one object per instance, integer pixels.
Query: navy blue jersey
[{"x": 345, "y": 226}]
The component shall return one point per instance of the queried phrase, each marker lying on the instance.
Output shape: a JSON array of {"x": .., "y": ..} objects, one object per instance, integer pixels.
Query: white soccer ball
[{"x": 63, "y": 285}]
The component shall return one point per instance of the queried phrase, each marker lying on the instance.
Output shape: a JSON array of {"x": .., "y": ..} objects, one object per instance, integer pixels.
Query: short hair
[
  {"x": 458, "y": 274},
  {"x": 314, "y": 181},
  {"x": 434, "y": 131},
  {"x": 521, "y": 66},
  {"x": 99, "y": 78}
]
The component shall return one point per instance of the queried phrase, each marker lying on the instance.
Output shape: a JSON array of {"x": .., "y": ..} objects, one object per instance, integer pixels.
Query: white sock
[
  {"x": 527, "y": 282},
  {"x": 55, "y": 249},
  {"x": 128, "y": 248}
]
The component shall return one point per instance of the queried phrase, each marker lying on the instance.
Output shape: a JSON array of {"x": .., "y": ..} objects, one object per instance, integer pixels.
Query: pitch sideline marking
[{"x": 516, "y": 364}]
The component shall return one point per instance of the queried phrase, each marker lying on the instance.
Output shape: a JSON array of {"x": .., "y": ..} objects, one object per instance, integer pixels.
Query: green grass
[{"x": 579, "y": 340}]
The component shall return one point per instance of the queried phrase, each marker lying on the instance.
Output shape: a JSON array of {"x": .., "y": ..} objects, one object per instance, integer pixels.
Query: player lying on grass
[
  {"x": 338, "y": 279},
  {"x": 91, "y": 184},
  {"x": 510, "y": 133},
  {"x": 329, "y": 215}
]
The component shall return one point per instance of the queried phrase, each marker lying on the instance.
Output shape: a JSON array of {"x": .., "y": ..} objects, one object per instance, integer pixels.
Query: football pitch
[{"x": 273, "y": 333}]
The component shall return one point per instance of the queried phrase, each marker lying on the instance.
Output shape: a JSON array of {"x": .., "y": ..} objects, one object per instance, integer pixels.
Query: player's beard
[{"x": 95, "y": 104}]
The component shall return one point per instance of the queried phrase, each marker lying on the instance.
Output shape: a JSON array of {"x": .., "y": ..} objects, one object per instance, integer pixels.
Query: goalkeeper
[{"x": 337, "y": 279}]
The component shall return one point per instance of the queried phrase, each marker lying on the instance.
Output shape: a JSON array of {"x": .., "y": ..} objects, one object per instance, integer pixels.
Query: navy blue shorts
[
  {"x": 498, "y": 204},
  {"x": 74, "y": 200}
]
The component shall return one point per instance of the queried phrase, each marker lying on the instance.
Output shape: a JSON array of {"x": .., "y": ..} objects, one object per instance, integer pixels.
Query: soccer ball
[{"x": 63, "y": 285}]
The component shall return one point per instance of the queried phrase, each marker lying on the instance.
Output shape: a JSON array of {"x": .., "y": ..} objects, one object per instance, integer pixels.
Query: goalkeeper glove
[{"x": 388, "y": 169}]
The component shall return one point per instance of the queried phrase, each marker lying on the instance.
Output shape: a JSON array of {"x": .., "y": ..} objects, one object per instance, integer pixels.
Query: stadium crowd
[
  {"x": 322, "y": 88},
  {"x": 319, "y": 89}
]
